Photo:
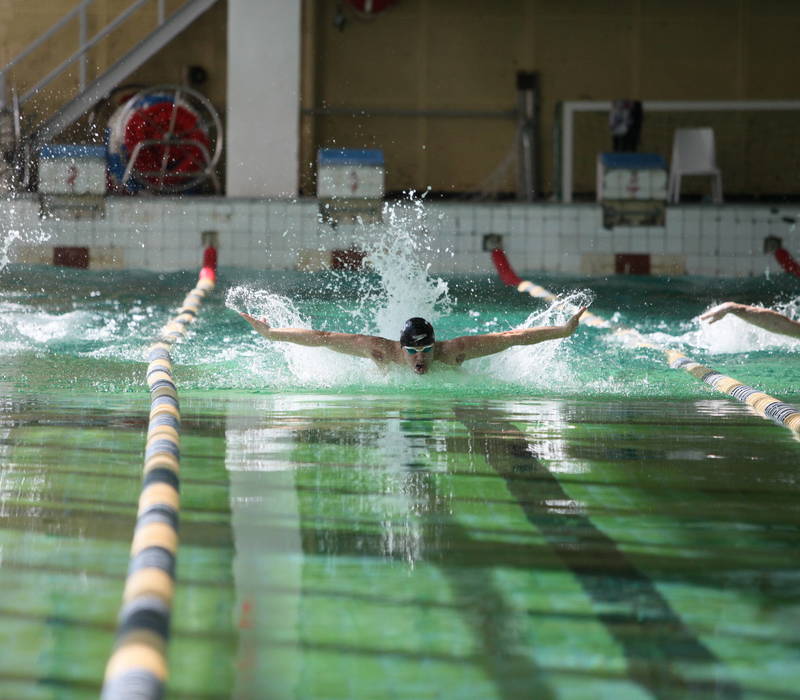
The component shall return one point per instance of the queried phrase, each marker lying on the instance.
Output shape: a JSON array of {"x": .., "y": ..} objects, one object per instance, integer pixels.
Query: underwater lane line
[
  {"x": 137, "y": 667},
  {"x": 511, "y": 667},
  {"x": 763, "y": 404},
  {"x": 646, "y": 641}
]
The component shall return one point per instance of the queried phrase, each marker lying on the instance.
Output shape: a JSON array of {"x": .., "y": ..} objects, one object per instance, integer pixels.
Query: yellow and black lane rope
[
  {"x": 138, "y": 667},
  {"x": 763, "y": 404}
]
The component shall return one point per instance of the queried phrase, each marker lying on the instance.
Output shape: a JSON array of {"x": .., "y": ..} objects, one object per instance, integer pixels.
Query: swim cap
[{"x": 416, "y": 332}]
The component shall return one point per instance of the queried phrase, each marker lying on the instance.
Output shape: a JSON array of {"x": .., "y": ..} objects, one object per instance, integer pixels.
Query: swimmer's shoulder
[
  {"x": 450, "y": 352},
  {"x": 382, "y": 350}
]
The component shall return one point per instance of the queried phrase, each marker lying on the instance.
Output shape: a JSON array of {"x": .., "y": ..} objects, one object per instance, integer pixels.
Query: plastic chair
[{"x": 693, "y": 153}]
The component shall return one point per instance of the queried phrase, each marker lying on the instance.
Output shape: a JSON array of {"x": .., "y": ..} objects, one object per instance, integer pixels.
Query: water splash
[
  {"x": 732, "y": 335},
  {"x": 11, "y": 233},
  {"x": 400, "y": 251},
  {"x": 279, "y": 311},
  {"x": 304, "y": 366},
  {"x": 8, "y": 236},
  {"x": 546, "y": 365},
  {"x": 790, "y": 308},
  {"x": 395, "y": 286},
  {"x": 99, "y": 332}
]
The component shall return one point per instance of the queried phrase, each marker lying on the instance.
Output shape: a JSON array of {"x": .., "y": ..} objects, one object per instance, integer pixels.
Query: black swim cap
[{"x": 417, "y": 332}]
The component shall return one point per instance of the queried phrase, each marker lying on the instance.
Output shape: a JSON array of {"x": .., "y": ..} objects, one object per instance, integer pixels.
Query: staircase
[{"x": 20, "y": 138}]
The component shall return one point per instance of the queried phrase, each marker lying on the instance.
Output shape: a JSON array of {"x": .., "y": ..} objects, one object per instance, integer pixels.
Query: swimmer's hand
[
  {"x": 260, "y": 326},
  {"x": 767, "y": 319},
  {"x": 720, "y": 311},
  {"x": 570, "y": 326}
]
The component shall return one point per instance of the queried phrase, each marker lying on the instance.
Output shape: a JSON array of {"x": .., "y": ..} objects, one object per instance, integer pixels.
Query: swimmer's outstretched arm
[
  {"x": 379, "y": 349},
  {"x": 767, "y": 319},
  {"x": 468, "y": 347}
]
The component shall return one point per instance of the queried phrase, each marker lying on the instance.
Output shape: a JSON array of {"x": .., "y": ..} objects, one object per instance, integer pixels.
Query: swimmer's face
[{"x": 419, "y": 358}]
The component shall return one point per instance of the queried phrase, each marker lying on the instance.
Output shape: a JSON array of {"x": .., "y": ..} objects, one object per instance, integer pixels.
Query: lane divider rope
[
  {"x": 763, "y": 404},
  {"x": 509, "y": 277},
  {"x": 787, "y": 262},
  {"x": 137, "y": 668}
]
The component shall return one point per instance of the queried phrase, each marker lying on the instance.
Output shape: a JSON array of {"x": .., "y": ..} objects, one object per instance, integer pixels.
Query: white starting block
[
  {"x": 632, "y": 187},
  {"x": 72, "y": 180},
  {"x": 350, "y": 173},
  {"x": 350, "y": 184},
  {"x": 622, "y": 176},
  {"x": 72, "y": 169}
]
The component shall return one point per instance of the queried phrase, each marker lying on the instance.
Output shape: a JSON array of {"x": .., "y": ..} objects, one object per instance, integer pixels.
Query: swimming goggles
[{"x": 413, "y": 351}]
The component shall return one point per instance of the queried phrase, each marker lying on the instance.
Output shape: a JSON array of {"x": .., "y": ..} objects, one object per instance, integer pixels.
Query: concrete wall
[
  {"x": 464, "y": 54},
  {"x": 163, "y": 234}
]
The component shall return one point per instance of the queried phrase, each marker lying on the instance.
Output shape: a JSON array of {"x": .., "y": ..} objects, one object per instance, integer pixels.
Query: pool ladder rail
[
  {"x": 763, "y": 404},
  {"x": 138, "y": 665}
]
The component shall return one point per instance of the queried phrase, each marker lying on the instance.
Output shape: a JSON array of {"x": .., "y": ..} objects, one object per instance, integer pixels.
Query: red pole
[
  {"x": 787, "y": 262},
  {"x": 209, "y": 270},
  {"x": 504, "y": 269}
]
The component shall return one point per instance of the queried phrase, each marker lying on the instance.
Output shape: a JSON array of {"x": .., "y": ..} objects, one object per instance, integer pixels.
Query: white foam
[
  {"x": 546, "y": 364},
  {"x": 317, "y": 367},
  {"x": 39, "y": 327},
  {"x": 734, "y": 335}
]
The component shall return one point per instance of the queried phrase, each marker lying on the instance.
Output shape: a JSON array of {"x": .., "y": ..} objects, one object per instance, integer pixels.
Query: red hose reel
[{"x": 165, "y": 139}]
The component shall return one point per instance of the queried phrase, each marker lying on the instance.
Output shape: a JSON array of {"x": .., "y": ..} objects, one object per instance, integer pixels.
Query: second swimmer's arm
[
  {"x": 469, "y": 347},
  {"x": 767, "y": 319}
]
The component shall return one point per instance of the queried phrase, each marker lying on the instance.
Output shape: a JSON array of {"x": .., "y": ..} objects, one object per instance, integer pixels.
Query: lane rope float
[
  {"x": 137, "y": 668},
  {"x": 509, "y": 277},
  {"x": 763, "y": 404},
  {"x": 787, "y": 262}
]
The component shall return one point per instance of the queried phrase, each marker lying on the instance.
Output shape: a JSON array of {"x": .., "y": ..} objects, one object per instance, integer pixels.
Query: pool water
[{"x": 572, "y": 519}]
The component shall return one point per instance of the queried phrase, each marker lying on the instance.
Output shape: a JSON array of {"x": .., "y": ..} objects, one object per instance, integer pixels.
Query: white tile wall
[{"x": 164, "y": 233}]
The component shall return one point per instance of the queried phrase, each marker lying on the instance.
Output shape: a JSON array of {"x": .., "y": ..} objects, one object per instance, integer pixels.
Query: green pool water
[{"x": 571, "y": 520}]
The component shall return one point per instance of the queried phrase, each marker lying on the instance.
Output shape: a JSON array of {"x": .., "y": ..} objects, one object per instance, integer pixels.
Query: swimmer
[
  {"x": 767, "y": 319},
  {"x": 417, "y": 347}
]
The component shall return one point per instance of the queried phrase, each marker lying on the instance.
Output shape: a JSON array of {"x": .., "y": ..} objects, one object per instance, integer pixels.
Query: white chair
[{"x": 693, "y": 153}]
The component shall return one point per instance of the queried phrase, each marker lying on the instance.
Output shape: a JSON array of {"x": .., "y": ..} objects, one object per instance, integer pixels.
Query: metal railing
[{"x": 85, "y": 44}]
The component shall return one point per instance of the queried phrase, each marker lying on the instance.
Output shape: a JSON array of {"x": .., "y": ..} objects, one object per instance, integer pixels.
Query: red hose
[
  {"x": 787, "y": 262},
  {"x": 504, "y": 269}
]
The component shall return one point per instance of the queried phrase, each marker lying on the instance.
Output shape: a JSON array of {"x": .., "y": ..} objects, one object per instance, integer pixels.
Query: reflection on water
[
  {"x": 266, "y": 535},
  {"x": 373, "y": 546},
  {"x": 495, "y": 549},
  {"x": 625, "y": 600}
]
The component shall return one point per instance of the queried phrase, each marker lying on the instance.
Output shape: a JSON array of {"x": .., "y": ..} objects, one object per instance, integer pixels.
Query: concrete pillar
[{"x": 262, "y": 131}]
